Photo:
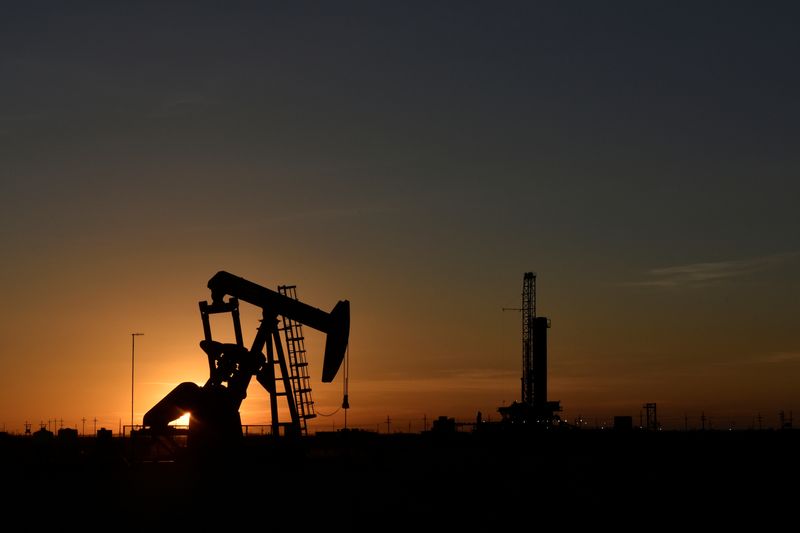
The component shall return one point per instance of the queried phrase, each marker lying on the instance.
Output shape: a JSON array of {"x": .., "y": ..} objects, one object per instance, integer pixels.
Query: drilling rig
[
  {"x": 214, "y": 407},
  {"x": 533, "y": 409}
]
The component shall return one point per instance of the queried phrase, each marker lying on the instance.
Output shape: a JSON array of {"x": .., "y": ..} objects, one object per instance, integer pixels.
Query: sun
[{"x": 182, "y": 421}]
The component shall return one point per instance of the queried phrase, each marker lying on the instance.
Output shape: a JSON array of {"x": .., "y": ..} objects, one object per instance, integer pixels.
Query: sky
[{"x": 416, "y": 159}]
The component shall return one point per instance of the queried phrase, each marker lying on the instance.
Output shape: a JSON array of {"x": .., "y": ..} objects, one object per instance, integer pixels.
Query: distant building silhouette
[
  {"x": 444, "y": 424},
  {"x": 67, "y": 434},
  {"x": 43, "y": 435},
  {"x": 623, "y": 423}
]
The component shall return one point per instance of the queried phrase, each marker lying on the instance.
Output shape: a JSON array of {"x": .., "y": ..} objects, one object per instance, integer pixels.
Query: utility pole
[
  {"x": 95, "y": 426},
  {"x": 83, "y": 427},
  {"x": 388, "y": 424},
  {"x": 133, "y": 349}
]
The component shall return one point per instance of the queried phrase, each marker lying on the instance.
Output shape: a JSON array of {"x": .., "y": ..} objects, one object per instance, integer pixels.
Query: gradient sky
[{"x": 416, "y": 159}]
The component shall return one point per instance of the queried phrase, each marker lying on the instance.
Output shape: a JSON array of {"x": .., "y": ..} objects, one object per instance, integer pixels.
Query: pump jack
[{"x": 214, "y": 407}]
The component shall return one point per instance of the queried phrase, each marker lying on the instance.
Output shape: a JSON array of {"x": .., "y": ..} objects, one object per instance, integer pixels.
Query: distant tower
[
  {"x": 652, "y": 419},
  {"x": 534, "y": 347},
  {"x": 533, "y": 406},
  {"x": 528, "y": 315},
  {"x": 785, "y": 423}
]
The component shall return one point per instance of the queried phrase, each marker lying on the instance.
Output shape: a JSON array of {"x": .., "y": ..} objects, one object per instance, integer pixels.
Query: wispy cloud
[
  {"x": 771, "y": 358},
  {"x": 702, "y": 274},
  {"x": 446, "y": 382},
  {"x": 180, "y": 105},
  {"x": 310, "y": 215},
  {"x": 781, "y": 357},
  {"x": 333, "y": 213}
]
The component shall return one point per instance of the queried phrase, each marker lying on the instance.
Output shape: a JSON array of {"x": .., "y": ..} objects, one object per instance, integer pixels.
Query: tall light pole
[{"x": 133, "y": 349}]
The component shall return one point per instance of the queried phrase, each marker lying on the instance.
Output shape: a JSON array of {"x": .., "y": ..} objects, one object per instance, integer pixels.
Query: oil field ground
[{"x": 411, "y": 480}]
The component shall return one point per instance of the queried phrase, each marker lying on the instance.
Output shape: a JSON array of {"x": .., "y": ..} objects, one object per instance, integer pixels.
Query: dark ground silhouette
[{"x": 386, "y": 481}]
